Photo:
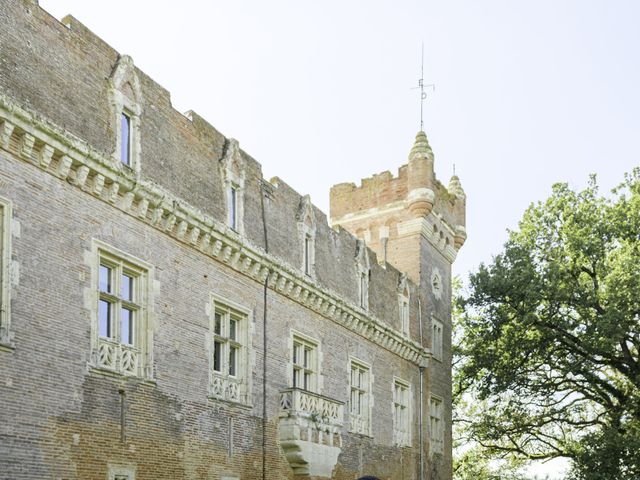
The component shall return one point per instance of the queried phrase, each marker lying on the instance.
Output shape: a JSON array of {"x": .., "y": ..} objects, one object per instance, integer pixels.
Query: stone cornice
[
  {"x": 422, "y": 226},
  {"x": 35, "y": 140},
  {"x": 408, "y": 227}
]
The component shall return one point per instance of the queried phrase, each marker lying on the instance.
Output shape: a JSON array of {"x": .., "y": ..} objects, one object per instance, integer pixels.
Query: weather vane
[{"x": 422, "y": 86}]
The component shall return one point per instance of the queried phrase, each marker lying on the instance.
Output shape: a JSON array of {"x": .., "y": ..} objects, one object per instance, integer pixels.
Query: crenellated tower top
[{"x": 392, "y": 214}]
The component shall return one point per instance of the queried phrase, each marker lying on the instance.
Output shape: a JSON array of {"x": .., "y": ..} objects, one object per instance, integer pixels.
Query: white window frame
[
  {"x": 110, "y": 354},
  {"x": 436, "y": 423},
  {"x": 223, "y": 385},
  {"x": 6, "y": 216},
  {"x": 437, "y": 339},
  {"x": 401, "y": 412},
  {"x": 298, "y": 369},
  {"x": 360, "y": 422}
]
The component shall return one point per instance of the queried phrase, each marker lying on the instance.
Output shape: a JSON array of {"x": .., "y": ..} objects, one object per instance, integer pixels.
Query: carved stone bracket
[{"x": 309, "y": 432}]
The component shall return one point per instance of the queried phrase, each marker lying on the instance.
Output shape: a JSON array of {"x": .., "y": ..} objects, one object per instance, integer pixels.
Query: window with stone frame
[
  {"x": 307, "y": 235},
  {"x": 360, "y": 400},
  {"x": 362, "y": 271},
  {"x": 403, "y": 304},
  {"x": 305, "y": 363},
  {"x": 436, "y": 339},
  {"x": 5, "y": 280},
  {"x": 307, "y": 254},
  {"x": 125, "y": 138},
  {"x": 232, "y": 169},
  {"x": 436, "y": 424},
  {"x": 126, "y": 105},
  {"x": 232, "y": 205},
  {"x": 401, "y": 413},
  {"x": 122, "y": 339},
  {"x": 229, "y": 369},
  {"x": 364, "y": 286}
]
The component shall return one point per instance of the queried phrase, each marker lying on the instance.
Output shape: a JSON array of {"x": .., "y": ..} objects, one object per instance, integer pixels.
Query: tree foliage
[{"x": 549, "y": 346}]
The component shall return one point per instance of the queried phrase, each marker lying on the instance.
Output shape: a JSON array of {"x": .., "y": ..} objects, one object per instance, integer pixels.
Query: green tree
[{"x": 549, "y": 345}]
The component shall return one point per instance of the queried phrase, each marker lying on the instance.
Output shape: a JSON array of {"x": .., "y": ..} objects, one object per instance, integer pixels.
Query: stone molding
[
  {"x": 34, "y": 139},
  {"x": 422, "y": 226},
  {"x": 415, "y": 225}
]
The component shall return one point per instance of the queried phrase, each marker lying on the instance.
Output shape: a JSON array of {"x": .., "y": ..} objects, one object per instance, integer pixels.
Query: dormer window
[
  {"x": 126, "y": 105},
  {"x": 125, "y": 135},
  {"x": 232, "y": 170}
]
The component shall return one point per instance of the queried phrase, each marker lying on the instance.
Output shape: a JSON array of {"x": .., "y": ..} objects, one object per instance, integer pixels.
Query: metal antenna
[
  {"x": 422, "y": 86},
  {"x": 454, "y": 169}
]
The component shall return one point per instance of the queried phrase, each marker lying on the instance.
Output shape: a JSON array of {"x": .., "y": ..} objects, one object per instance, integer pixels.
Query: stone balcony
[{"x": 309, "y": 431}]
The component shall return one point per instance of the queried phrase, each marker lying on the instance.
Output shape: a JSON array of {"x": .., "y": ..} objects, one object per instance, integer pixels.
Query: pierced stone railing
[
  {"x": 119, "y": 358},
  {"x": 312, "y": 405},
  {"x": 359, "y": 424},
  {"x": 226, "y": 388},
  {"x": 309, "y": 431}
]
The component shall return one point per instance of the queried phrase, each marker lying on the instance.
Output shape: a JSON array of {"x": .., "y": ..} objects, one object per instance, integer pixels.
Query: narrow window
[
  {"x": 401, "y": 412},
  {"x": 436, "y": 339},
  {"x": 359, "y": 401},
  {"x": 106, "y": 303},
  {"x": 404, "y": 314},
  {"x": 363, "y": 289},
  {"x": 436, "y": 425},
  {"x": 125, "y": 139},
  {"x": 304, "y": 364},
  {"x": 5, "y": 261},
  {"x": 233, "y": 206},
  {"x": 307, "y": 254},
  {"x": 217, "y": 356}
]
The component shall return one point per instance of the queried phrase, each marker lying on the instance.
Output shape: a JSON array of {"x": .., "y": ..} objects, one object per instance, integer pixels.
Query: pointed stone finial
[
  {"x": 421, "y": 147},
  {"x": 455, "y": 187}
]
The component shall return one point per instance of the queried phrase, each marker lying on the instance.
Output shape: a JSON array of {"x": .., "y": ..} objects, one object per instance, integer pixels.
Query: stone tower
[
  {"x": 416, "y": 224},
  {"x": 407, "y": 217}
]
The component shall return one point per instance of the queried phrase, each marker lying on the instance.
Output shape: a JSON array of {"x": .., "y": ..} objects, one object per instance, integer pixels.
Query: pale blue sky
[{"x": 527, "y": 92}]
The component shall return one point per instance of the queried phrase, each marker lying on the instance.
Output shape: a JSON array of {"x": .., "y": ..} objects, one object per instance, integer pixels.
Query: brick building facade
[{"x": 169, "y": 313}]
